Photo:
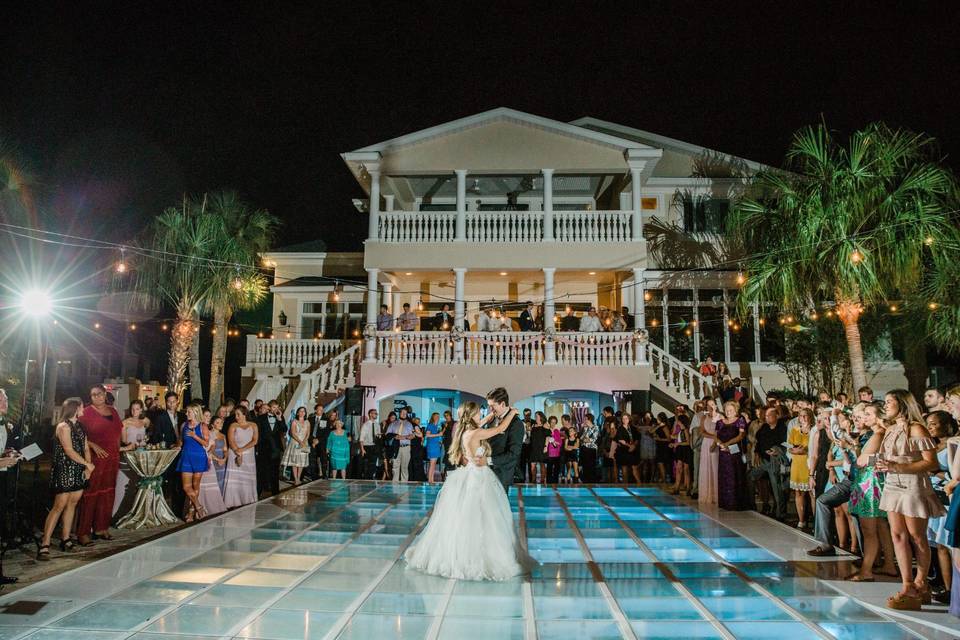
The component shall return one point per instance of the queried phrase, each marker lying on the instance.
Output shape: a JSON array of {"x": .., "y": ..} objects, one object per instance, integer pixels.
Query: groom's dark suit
[{"x": 505, "y": 451}]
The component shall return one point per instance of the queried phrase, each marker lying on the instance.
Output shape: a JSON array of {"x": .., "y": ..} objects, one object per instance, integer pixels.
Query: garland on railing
[
  {"x": 500, "y": 343},
  {"x": 594, "y": 345}
]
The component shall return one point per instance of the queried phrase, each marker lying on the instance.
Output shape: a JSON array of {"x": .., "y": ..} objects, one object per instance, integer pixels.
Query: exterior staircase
[{"x": 324, "y": 381}]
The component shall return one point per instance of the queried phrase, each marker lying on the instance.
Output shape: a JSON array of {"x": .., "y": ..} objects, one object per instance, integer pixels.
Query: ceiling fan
[{"x": 475, "y": 187}]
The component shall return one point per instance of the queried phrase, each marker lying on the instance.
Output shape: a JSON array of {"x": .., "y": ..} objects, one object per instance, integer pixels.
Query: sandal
[
  {"x": 84, "y": 541},
  {"x": 67, "y": 545},
  {"x": 856, "y": 577},
  {"x": 905, "y": 602},
  {"x": 926, "y": 596},
  {"x": 43, "y": 553}
]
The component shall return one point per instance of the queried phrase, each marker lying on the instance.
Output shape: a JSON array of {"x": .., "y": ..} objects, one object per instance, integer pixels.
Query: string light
[
  {"x": 122, "y": 264},
  {"x": 133, "y": 327},
  {"x": 163, "y": 327},
  {"x": 928, "y": 240},
  {"x": 237, "y": 282},
  {"x": 654, "y": 322},
  {"x": 420, "y": 304},
  {"x": 933, "y": 306},
  {"x": 814, "y": 316},
  {"x": 740, "y": 278},
  {"x": 96, "y": 325},
  {"x": 647, "y": 296},
  {"x": 762, "y": 322},
  {"x": 829, "y": 314},
  {"x": 336, "y": 291},
  {"x": 790, "y": 319},
  {"x": 260, "y": 334},
  {"x": 856, "y": 257},
  {"x": 893, "y": 308}
]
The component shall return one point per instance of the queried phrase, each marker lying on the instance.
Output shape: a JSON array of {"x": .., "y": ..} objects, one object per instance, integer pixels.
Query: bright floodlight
[{"x": 36, "y": 303}]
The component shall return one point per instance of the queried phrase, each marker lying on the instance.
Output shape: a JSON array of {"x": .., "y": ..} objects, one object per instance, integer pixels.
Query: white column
[
  {"x": 755, "y": 310},
  {"x": 639, "y": 312},
  {"x": 636, "y": 203},
  {"x": 374, "y": 230},
  {"x": 372, "y": 298},
  {"x": 395, "y": 309},
  {"x": 461, "y": 230},
  {"x": 726, "y": 329},
  {"x": 459, "y": 310},
  {"x": 549, "y": 310},
  {"x": 666, "y": 322},
  {"x": 696, "y": 325},
  {"x": 547, "y": 204},
  {"x": 388, "y": 295}
]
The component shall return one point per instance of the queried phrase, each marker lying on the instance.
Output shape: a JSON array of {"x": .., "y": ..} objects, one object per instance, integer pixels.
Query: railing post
[
  {"x": 458, "y": 313},
  {"x": 755, "y": 311},
  {"x": 726, "y": 329},
  {"x": 696, "y": 325},
  {"x": 639, "y": 312},
  {"x": 461, "y": 227},
  {"x": 547, "y": 204},
  {"x": 549, "y": 347}
]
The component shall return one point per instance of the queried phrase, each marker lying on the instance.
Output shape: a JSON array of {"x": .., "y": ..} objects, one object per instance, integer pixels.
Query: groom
[{"x": 505, "y": 448}]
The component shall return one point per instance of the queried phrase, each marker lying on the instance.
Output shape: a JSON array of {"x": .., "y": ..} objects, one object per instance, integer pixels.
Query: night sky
[{"x": 115, "y": 113}]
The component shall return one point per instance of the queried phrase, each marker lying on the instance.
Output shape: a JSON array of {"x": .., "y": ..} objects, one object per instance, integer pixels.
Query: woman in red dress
[{"x": 102, "y": 425}]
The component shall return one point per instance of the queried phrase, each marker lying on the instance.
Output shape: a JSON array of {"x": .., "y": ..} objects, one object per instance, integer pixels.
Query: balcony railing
[
  {"x": 289, "y": 354},
  {"x": 505, "y": 226}
]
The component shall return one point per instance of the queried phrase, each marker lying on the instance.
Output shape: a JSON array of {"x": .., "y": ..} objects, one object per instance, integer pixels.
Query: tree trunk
[
  {"x": 849, "y": 314},
  {"x": 915, "y": 366},
  {"x": 221, "y": 319},
  {"x": 196, "y": 382},
  {"x": 180, "y": 338}
]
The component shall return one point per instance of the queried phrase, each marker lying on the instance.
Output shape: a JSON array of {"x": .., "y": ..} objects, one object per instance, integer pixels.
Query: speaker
[
  {"x": 353, "y": 403},
  {"x": 639, "y": 401}
]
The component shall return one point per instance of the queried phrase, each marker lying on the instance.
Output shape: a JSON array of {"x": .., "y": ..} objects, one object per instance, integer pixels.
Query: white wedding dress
[{"x": 470, "y": 535}]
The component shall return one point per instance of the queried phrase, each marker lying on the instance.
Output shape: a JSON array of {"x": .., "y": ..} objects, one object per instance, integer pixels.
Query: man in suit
[
  {"x": 165, "y": 429},
  {"x": 505, "y": 448},
  {"x": 9, "y": 457},
  {"x": 319, "y": 433},
  {"x": 443, "y": 321},
  {"x": 269, "y": 449},
  {"x": 166, "y": 423},
  {"x": 528, "y": 317}
]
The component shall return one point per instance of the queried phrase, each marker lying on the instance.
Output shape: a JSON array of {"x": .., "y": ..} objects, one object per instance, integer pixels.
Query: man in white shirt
[
  {"x": 590, "y": 323},
  {"x": 404, "y": 430},
  {"x": 365, "y": 439}
]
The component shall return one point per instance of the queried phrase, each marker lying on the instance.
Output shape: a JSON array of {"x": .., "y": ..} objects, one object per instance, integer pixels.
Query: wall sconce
[{"x": 283, "y": 319}]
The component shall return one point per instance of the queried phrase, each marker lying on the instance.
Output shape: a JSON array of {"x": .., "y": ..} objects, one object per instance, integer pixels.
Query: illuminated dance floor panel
[{"x": 323, "y": 561}]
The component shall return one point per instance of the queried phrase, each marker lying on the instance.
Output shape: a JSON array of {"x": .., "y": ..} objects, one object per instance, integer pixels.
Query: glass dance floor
[{"x": 323, "y": 562}]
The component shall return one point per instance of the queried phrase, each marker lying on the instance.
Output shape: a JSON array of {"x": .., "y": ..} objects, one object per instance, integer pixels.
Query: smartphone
[{"x": 872, "y": 460}]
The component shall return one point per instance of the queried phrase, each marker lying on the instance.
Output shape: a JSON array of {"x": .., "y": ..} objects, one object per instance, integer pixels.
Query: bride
[{"x": 470, "y": 535}]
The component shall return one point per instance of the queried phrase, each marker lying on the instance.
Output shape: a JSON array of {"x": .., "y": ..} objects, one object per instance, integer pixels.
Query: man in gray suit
[{"x": 505, "y": 448}]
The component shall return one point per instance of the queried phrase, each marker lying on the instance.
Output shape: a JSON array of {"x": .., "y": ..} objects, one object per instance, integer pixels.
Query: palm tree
[
  {"x": 849, "y": 225},
  {"x": 178, "y": 265},
  {"x": 250, "y": 232}
]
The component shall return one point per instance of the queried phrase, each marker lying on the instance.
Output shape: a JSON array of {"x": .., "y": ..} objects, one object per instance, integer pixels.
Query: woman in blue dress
[
  {"x": 433, "y": 440},
  {"x": 941, "y": 426},
  {"x": 193, "y": 460}
]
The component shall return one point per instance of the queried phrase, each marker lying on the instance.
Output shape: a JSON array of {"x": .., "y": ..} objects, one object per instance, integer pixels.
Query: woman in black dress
[
  {"x": 682, "y": 454},
  {"x": 69, "y": 475},
  {"x": 628, "y": 450},
  {"x": 664, "y": 458},
  {"x": 538, "y": 447}
]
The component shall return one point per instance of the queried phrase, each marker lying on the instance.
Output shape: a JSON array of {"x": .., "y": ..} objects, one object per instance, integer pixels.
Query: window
[
  {"x": 705, "y": 215},
  {"x": 332, "y": 320}
]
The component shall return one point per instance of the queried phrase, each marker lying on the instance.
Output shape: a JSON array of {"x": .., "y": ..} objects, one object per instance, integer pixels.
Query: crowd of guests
[
  {"x": 874, "y": 477},
  {"x": 494, "y": 318}
]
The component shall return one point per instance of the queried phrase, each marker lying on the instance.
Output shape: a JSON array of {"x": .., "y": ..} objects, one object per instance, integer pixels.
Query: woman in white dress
[
  {"x": 297, "y": 452},
  {"x": 241, "y": 481},
  {"x": 707, "y": 481},
  {"x": 470, "y": 535}
]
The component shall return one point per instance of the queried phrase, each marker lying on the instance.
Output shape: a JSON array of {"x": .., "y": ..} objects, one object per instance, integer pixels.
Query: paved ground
[{"x": 323, "y": 561}]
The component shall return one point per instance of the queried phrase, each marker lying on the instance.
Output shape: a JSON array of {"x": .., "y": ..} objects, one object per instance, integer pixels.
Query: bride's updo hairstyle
[{"x": 468, "y": 418}]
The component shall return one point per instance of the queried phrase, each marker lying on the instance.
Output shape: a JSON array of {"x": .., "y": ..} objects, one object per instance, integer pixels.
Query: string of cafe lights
[{"x": 121, "y": 267}]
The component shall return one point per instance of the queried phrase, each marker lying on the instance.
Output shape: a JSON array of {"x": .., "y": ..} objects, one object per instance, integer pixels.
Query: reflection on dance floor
[{"x": 323, "y": 562}]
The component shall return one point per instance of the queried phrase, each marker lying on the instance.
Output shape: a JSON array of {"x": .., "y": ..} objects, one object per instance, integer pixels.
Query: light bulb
[
  {"x": 133, "y": 327},
  {"x": 237, "y": 284},
  {"x": 893, "y": 308},
  {"x": 121, "y": 266},
  {"x": 96, "y": 325},
  {"x": 740, "y": 278},
  {"x": 856, "y": 257},
  {"x": 647, "y": 296}
]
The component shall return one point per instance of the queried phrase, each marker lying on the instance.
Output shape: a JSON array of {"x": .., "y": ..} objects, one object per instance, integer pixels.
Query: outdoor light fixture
[
  {"x": 36, "y": 303},
  {"x": 122, "y": 264},
  {"x": 503, "y": 273},
  {"x": 283, "y": 319},
  {"x": 647, "y": 296},
  {"x": 740, "y": 278}
]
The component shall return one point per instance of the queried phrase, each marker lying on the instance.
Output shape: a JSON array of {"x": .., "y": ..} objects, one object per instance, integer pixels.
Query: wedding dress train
[{"x": 470, "y": 535}]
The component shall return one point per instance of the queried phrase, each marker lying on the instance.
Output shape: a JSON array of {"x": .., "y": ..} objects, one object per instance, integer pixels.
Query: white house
[{"x": 506, "y": 207}]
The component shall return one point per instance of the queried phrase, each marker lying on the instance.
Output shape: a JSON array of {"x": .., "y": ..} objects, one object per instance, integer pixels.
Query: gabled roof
[
  {"x": 655, "y": 140},
  {"x": 501, "y": 113},
  {"x": 310, "y": 246}
]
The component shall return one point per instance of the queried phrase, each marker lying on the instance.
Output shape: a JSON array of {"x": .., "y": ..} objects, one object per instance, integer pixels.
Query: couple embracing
[{"x": 470, "y": 535}]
